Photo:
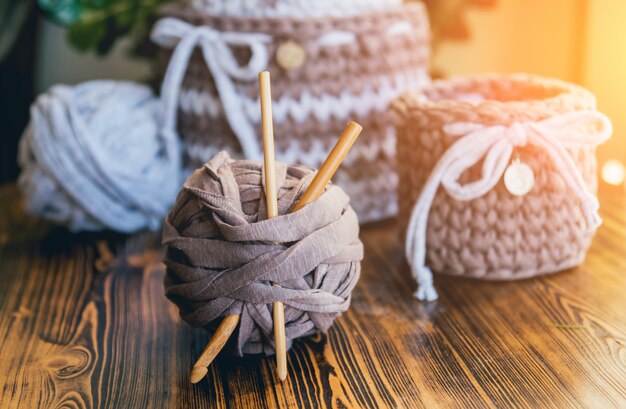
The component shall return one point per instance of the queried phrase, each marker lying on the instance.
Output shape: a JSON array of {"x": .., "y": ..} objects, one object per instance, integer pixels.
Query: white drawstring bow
[
  {"x": 495, "y": 144},
  {"x": 218, "y": 55}
]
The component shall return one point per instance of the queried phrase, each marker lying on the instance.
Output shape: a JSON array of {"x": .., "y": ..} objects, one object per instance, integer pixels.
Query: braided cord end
[{"x": 425, "y": 287}]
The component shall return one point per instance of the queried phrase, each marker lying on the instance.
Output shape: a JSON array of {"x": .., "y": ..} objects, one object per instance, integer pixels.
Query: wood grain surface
[{"x": 84, "y": 323}]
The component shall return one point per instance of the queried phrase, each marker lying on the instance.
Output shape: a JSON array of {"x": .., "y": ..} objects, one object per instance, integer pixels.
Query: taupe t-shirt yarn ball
[{"x": 224, "y": 256}]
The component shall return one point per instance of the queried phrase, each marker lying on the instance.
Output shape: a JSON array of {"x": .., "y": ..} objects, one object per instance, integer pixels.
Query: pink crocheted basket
[{"x": 457, "y": 138}]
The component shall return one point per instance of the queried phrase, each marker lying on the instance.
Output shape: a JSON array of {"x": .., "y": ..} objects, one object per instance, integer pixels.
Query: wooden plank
[{"x": 84, "y": 323}]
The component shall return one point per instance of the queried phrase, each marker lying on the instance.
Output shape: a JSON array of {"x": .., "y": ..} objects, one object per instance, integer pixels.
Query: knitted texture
[
  {"x": 95, "y": 156},
  {"x": 223, "y": 254},
  {"x": 497, "y": 235},
  {"x": 354, "y": 66},
  {"x": 291, "y": 8}
]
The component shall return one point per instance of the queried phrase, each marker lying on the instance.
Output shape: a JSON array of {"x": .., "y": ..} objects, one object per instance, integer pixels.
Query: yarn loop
[
  {"x": 223, "y": 255},
  {"x": 219, "y": 58}
]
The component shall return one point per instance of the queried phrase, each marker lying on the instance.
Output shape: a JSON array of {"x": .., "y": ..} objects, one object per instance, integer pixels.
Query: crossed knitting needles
[{"x": 313, "y": 192}]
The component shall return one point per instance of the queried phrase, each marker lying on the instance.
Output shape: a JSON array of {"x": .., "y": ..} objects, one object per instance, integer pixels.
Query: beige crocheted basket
[
  {"x": 325, "y": 71},
  {"x": 498, "y": 235}
]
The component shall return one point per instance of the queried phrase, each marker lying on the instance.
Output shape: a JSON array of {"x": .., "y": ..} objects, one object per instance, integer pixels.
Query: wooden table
[{"x": 84, "y": 323}]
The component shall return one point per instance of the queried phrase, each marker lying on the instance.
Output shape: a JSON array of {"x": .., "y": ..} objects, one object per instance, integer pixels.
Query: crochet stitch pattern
[
  {"x": 354, "y": 67},
  {"x": 291, "y": 8},
  {"x": 497, "y": 235}
]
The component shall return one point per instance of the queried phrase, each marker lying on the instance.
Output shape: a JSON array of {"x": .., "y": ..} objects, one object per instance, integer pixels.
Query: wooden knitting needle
[
  {"x": 228, "y": 325},
  {"x": 271, "y": 201},
  {"x": 313, "y": 192}
]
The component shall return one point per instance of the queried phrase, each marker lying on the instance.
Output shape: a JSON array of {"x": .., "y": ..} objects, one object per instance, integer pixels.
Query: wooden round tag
[
  {"x": 519, "y": 178},
  {"x": 290, "y": 55}
]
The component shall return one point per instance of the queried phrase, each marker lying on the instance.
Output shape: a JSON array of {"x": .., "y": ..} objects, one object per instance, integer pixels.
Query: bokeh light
[{"x": 613, "y": 172}]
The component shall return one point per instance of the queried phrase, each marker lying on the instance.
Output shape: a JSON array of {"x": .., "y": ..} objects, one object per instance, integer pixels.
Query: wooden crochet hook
[
  {"x": 313, "y": 192},
  {"x": 271, "y": 201},
  {"x": 215, "y": 345},
  {"x": 330, "y": 165}
]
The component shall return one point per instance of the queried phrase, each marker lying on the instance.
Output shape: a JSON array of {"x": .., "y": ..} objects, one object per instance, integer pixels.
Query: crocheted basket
[
  {"x": 457, "y": 139},
  {"x": 325, "y": 70}
]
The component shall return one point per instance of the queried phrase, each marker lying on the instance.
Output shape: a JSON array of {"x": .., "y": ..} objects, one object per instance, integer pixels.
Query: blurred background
[{"x": 46, "y": 42}]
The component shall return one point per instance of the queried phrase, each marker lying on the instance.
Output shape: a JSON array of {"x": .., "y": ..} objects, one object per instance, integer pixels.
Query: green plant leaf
[
  {"x": 125, "y": 18},
  {"x": 98, "y": 24},
  {"x": 84, "y": 36},
  {"x": 64, "y": 12}
]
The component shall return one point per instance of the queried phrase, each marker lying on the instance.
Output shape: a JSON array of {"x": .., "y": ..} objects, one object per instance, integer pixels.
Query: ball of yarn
[
  {"x": 223, "y": 255},
  {"x": 94, "y": 156}
]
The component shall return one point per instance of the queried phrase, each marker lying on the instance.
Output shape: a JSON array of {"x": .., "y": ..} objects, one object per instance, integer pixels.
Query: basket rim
[
  {"x": 196, "y": 16},
  {"x": 564, "y": 97}
]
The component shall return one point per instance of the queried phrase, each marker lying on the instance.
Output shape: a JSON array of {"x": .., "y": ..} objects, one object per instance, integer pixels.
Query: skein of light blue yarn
[{"x": 97, "y": 156}]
